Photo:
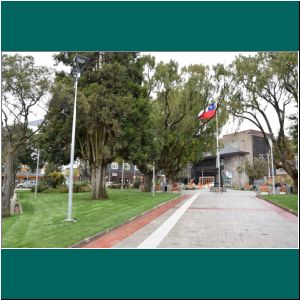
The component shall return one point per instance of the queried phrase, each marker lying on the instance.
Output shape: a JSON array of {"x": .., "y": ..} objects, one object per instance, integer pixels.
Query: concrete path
[{"x": 235, "y": 219}]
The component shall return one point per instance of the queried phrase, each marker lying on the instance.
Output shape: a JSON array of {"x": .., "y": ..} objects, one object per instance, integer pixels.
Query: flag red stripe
[{"x": 207, "y": 115}]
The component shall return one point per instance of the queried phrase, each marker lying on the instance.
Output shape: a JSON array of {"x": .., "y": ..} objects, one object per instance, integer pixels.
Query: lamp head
[{"x": 80, "y": 62}]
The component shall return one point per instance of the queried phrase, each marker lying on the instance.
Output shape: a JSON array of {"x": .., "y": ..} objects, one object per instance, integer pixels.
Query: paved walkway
[{"x": 235, "y": 219}]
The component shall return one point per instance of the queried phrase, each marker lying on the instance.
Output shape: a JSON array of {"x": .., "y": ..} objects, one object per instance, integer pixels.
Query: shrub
[
  {"x": 54, "y": 179},
  {"x": 41, "y": 187},
  {"x": 50, "y": 190},
  {"x": 85, "y": 188},
  {"x": 137, "y": 183},
  {"x": 76, "y": 188},
  {"x": 63, "y": 188},
  {"x": 80, "y": 187},
  {"x": 115, "y": 186}
]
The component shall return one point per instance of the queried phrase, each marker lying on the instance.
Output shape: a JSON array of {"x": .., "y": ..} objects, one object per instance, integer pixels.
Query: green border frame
[
  {"x": 150, "y": 274},
  {"x": 150, "y": 26},
  {"x": 155, "y": 26}
]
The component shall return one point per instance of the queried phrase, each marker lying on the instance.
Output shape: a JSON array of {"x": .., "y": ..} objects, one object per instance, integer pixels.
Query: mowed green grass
[
  {"x": 289, "y": 201},
  {"x": 42, "y": 225}
]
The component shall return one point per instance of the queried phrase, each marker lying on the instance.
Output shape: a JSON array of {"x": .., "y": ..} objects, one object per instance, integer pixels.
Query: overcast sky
[{"x": 183, "y": 58}]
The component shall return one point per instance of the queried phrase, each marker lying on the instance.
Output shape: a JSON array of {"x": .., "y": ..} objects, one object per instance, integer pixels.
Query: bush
[
  {"x": 54, "y": 179},
  {"x": 115, "y": 186},
  {"x": 50, "y": 190},
  {"x": 78, "y": 187},
  {"x": 41, "y": 187},
  {"x": 63, "y": 188},
  {"x": 137, "y": 183},
  {"x": 84, "y": 188}
]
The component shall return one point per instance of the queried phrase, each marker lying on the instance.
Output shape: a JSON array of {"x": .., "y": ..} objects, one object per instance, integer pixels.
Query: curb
[
  {"x": 282, "y": 207},
  {"x": 108, "y": 230}
]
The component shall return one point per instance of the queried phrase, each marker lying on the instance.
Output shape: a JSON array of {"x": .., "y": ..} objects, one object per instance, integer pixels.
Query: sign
[{"x": 114, "y": 174}]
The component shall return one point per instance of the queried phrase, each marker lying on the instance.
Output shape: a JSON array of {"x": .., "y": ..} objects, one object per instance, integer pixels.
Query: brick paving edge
[
  {"x": 97, "y": 235},
  {"x": 284, "y": 208}
]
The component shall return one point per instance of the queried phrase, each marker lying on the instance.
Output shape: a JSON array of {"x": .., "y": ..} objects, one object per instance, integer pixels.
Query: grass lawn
[
  {"x": 287, "y": 201},
  {"x": 42, "y": 225}
]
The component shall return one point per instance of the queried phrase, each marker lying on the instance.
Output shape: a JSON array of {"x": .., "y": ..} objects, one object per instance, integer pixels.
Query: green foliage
[
  {"x": 137, "y": 183},
  {"x": 81, "y": 186},
  {"x": 256, "y": 171},
  {"x": 109, "y": 101},
  {"x": 115, "y": 186},
  {"x": 263, "y": 89},
  {"x": 63, "y": 188},
  {"x": 41, "y": 187},
  {"x": 180, "y": 97},
  {"x": 23, "y": 87},
  {"x": 54, "y": 179}
]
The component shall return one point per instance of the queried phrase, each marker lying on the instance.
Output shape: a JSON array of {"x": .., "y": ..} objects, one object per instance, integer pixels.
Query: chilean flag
[{"x": 208, "y": 113}]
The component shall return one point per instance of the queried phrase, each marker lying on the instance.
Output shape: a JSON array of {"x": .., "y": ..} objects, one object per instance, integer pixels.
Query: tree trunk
[
  {"x": 148, "y": 182},
  {"x": 8, "y": 183},
  {"x": 295, "y": 183},
  {"x": 293, "y": 173},
  {"x": 98, "y": 182}
]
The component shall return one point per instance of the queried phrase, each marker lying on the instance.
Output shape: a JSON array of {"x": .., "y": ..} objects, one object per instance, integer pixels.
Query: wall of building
[
  {"x": 241, "y": 141},
  {"x": 114, "y": 172},
  {"x": 251, "y": 141},
  {"x": 231, "y": 165}
]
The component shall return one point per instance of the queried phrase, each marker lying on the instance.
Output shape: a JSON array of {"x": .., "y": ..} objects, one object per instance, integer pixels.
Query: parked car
[{"x": 26, "y": 184}]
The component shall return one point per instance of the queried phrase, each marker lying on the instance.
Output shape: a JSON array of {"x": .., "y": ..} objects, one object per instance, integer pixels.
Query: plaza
[{"x": 235, "y": 219}]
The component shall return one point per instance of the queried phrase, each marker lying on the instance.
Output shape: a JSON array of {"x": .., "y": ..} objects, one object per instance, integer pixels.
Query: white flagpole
[{"x": 218, "y": 152}]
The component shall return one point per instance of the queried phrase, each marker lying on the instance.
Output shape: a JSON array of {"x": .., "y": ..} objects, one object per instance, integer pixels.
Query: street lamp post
[
  {"x": 122, "y": 183},
  {"x": 268, "y": 158},
  {"x": 272, "y": 165},
  {"x": 36, "y": 175},
  {"x": 153, "y": 180},
  {"x": 79, "y": 64}
]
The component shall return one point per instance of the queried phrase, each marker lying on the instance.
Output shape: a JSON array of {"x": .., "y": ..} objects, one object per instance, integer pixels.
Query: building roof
[
  {"x": 249, "y": 131},
  {"x": 228, "y": 150}
]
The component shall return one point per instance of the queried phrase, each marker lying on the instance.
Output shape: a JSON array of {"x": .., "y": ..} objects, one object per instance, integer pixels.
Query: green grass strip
[{"x": 42, "y": 225}]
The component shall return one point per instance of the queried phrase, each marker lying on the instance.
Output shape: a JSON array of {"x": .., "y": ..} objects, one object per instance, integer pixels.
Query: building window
[
  {"x": 114, "y": 166},
  {"x": 127, "y": 166}
]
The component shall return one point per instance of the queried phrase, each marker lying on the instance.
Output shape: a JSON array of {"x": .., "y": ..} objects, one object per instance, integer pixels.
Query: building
[
  {"x": 231, "y": 159},
  {"x": 238, "y": 148},
  {"x": 25, "y": 174},
  {"x": 130, "y": 173},
  {"x": 251, "y": 141}
]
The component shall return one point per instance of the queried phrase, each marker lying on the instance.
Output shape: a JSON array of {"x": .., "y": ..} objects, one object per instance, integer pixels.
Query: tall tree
[
  {"x": 262, "y": 89},
  {"x": 180, "y": 97},
  {"x": 23, "y": 87},
  {"x": 257, "y": 170},
  {"x": 108, "y": 91}
]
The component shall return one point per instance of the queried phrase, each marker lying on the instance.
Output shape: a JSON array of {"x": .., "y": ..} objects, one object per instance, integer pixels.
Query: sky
[{"x": 183, "y": 59}]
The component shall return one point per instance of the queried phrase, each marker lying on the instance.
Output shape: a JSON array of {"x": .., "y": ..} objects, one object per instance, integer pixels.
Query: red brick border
[
  {"x": 284, "y": 212},
  {"x": 113, "y": 236}
]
